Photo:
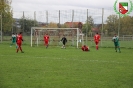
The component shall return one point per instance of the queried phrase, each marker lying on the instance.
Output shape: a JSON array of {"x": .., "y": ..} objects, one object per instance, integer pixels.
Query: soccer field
[{"x": 54, "y": 67}]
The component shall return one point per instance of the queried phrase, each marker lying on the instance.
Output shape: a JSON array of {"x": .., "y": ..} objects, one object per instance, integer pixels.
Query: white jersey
[
  {"x": 115, "y": 38},
  {"x": 13, "y": 36}
]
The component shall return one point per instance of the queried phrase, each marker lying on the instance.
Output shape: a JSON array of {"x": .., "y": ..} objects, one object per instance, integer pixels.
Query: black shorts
[{"x": 64, "y": 43}]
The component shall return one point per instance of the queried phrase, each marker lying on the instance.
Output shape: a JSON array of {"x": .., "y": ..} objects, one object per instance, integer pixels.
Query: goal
[{"x": 73, "y": 36}]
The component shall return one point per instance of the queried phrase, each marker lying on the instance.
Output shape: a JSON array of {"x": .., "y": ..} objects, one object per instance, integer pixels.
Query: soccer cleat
[
  {"x": 22, "y": 52},
  {"x": 46, "y": 47}
]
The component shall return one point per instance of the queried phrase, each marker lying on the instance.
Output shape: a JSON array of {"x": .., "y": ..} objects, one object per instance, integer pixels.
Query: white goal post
[{"x": 33, "y": 29}]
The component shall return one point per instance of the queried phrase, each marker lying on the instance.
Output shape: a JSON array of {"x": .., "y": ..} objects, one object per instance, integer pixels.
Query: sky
[
  {"x": 94, "y": 6},
  {"x": 41, "y": 5}
]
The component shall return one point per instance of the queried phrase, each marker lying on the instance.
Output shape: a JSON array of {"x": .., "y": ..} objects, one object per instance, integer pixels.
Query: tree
[
  {"x": 85, "y": 28},
  {"x": 126, "y": 25},
  {"x": 6, "y": 14},
  {"x": 90, "y": 21},
  {"x": 88, "y": 25},
  {"x": 53, "y": 25},
  {"x": 112, "y": 24},
  {"x": 26, "y": 24}
]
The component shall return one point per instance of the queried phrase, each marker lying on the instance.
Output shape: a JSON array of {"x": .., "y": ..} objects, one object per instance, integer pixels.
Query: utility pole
[
  {"x": 119, "y": 26},
  {"x": 1, "y": 26},
  {"x": 87, "y": 28}
]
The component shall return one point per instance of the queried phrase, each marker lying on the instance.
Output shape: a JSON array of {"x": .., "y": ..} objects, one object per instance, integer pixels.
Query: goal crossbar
[{"x": 41, "y": 28}]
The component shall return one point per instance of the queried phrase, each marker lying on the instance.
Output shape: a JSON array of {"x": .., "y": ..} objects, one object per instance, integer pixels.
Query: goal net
[{"x": 73, "y": 35}]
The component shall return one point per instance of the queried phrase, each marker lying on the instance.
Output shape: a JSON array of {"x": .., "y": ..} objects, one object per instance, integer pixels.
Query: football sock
[
  {"x": 119, "y": 49},
  {"x": 97, "y": 47},
  {"x": 20, "y": 49},
  {"x": 17, "y": 49},
  {"x": 116, "y": 49}
]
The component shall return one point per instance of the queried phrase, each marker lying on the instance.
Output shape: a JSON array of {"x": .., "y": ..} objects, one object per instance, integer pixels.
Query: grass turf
[{"x": 54, "y": 67}]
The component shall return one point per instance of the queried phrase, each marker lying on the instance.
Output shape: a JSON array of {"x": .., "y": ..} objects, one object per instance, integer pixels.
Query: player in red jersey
[
  {"x": 97, "y": 39},
  {"x": 85, "y": 48},
  {"x": 19, "y": 42},
  {"x": 46, "y": 40}
]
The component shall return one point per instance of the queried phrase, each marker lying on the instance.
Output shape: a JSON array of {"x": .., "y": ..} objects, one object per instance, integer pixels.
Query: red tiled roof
[{"x": 73, "y": 24}]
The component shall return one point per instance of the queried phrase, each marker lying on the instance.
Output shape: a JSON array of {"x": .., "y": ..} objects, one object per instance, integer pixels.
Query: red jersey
[
  {"x": 46, "y": 38},
  {"x": 85, "y": 48},
  {"x": 19, "y": 38},
  {"x": 97, "y": 37}
]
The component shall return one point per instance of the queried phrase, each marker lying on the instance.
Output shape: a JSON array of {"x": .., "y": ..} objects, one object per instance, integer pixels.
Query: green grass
[
  {"x": 54, "y": 67},
  {"x": 105, "y": 42}
]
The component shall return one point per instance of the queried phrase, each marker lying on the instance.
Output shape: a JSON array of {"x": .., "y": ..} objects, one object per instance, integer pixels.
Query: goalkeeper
[
  {"x": 64, "y": 41},
  {"x": 115, "y": 39}
]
